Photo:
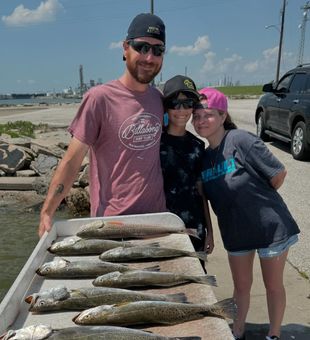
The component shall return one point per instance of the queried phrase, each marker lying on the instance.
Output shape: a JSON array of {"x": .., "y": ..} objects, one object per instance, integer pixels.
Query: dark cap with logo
[
  {"x": 147, "y": 25},
  {"x": 180, "y": 84}
]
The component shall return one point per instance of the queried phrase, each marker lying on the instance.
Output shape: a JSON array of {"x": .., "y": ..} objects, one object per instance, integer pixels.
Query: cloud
[
  {"x": 22, "y": 16},
  {"x": 251, "y": 67},
  {"x": 116, "y": 45},
  {"x": 200, "y": 45}
]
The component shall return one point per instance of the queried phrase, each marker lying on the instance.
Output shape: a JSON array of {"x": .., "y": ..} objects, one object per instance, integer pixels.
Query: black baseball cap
[
  {"x": 180, "y": 84},
  {"x": 147, "y": 25}
]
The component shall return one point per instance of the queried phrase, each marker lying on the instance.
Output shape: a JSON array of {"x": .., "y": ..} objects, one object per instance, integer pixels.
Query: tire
[
  {"x": 299, "y": 147},
  {"x": 260, "y": 128}
]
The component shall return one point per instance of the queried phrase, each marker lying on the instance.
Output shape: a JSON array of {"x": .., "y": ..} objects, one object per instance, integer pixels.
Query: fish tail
[
  {"x": 225, "y": 309},
  {"x": 206, "y": 279},
  {"x": 178, "y": 297},
  {"x": 152, "y": 269},
  {"x": 200, "y": 255}
]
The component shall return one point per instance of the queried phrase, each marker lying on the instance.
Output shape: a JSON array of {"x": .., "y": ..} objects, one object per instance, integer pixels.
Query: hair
[{"x": 228, "y": 123}]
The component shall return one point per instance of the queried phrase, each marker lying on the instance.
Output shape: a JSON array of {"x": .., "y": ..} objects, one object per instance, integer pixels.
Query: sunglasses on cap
[
  {"x": 176, "y": 104},
  {"x": 143, "y": 47}
]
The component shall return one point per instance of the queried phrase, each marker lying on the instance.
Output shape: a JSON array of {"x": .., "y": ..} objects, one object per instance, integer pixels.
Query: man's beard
[{"x": 144, "y": 77}]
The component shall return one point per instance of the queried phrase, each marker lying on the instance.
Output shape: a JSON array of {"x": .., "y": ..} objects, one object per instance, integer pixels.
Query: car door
[
  {"x": 290, "y": 103},
  {"x": 272, "y": 110}
]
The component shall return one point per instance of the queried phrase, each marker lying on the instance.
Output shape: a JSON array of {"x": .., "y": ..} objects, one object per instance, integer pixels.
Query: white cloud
[
  {"x": 200, "y": 45},
  {"x": 22, "y": 16},
  {"x": 116, "y": 45},
  {"x": 251, "y": 67}
]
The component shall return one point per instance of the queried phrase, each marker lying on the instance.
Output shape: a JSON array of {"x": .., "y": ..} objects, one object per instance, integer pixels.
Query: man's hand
[{"x": 45, "y": 224}]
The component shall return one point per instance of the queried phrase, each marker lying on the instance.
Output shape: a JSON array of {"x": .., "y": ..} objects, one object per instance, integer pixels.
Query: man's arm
[{"x": 62, "y": 181}]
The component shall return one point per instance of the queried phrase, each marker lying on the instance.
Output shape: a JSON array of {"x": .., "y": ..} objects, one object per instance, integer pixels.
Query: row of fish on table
[{"x": 109, "y": 308}]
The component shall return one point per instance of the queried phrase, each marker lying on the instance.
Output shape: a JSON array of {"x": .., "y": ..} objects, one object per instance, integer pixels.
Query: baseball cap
[
  {"x": 215, "y": 99},
  {"x": 180, "y": 84},
  {"x": 147, "y": 25}
]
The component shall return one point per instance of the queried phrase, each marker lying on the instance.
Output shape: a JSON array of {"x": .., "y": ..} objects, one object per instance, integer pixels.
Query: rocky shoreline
[{"x": 34, "y": 160}]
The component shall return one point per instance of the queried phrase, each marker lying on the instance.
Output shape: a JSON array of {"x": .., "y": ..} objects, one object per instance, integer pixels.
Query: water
[
  {"x": 39, "y": 100},
  {"x": 18, "y": 231}
]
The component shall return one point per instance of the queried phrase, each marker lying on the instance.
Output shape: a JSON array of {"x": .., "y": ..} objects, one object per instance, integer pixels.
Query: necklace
[{"x": 214, "y": 161}]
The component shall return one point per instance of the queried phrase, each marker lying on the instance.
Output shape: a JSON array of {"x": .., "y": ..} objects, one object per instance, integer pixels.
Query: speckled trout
[
  {"x": 79, "y": 246},
  {"x": 40, "y": 332},
  {"x": 148, "y": 252},
  {"x": 63, "y": 268},
  {"x": 140, "y": 278},
  {"x": 120, "y": 230},
  {"x": 61, "y": 298},
  {"x": 153, "y": 312}
]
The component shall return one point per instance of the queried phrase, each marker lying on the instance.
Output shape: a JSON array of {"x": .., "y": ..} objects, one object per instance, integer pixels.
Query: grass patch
[
  {"x": 21, "y": 129},
  {"x": 242, "y": 91}
]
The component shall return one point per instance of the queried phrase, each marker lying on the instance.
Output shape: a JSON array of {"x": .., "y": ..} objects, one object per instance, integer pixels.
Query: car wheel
[
  {"x": 260, "y": 128},
  {"x": 299, "y": 146}
]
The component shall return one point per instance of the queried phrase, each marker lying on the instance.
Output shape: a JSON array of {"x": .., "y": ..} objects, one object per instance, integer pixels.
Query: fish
[
  {"x": 61, "y": 298},
  {"x": 121, "y": 230},
  {"x": 40, "y": 332},
  {"x": 33, "y": 332},
  {"x": 148, "y": 252},
  {"x": 80, "y": 246},
  {"x": 140, "y": 278},
  {"x": 61, "y": 268},
  {"x": 154, "y": 312}
]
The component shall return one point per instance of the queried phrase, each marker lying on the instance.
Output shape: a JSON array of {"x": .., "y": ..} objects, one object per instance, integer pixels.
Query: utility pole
[
  {"x": 302, "y": 26},
  {"x": 152, "y": 6},
  {"x": 281, "y": 40}
]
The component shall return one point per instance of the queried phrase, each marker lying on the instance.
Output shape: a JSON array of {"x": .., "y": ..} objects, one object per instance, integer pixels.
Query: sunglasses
[
  {"x": 176, "y": 104},
  {"x": 143, "y": 47}
]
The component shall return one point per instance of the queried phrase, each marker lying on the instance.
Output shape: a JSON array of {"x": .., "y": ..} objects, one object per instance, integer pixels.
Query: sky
[{"x": 43, "y": 43}]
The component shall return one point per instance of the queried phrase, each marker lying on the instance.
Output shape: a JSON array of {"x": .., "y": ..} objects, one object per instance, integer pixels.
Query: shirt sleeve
[
  {"x": 261, "y": 160},
  {"x": 87, "y": 123}
]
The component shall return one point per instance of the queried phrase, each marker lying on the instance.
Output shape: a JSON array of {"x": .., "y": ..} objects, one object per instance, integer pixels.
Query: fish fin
[
  {"x": 191, "y": 232},
  {"x": 200, "y": 254},
  {"x": 206, "y": 279},
  {"x": 178, "y": 297},
  {"x": 186, "y": 338},
  {"x": 29, "y": 298},
  {"x": 153, "y": 244},
  {"x": 152, "y": 269},
  {"x": 225, "y": 309}
]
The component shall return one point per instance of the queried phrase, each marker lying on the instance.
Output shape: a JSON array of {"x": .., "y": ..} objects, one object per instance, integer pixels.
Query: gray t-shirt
[{"x": 236, "y": 178}]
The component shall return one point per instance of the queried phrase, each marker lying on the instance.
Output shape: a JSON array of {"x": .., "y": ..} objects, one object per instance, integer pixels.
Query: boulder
[{"x": 12, "y": 158}]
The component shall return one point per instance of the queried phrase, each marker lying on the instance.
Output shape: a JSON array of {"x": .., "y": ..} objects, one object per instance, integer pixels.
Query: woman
[
  {"x": 240, "y": 178},
  {"x": 181, "y": 160}
]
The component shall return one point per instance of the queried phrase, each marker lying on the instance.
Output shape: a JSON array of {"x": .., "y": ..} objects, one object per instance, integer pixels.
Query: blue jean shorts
[{"x": 274, "y": 251}]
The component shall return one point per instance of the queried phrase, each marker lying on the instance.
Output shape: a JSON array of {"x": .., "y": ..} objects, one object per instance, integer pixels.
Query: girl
[{"x": 240, "y": 178}]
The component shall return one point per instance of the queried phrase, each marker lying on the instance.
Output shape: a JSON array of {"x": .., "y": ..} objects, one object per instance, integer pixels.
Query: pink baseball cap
[{"x": 216, "y": 100}]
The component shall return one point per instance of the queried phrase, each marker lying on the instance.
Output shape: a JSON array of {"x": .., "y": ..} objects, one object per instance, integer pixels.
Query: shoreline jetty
[{"x": 27, "y": 164}]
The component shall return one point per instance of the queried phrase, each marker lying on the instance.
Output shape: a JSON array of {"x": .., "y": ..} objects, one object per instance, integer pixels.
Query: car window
[
  {"x": 284, "y": 83},
  {"x": 307, "y": 86},
  {"x": 298, "y": 83}
]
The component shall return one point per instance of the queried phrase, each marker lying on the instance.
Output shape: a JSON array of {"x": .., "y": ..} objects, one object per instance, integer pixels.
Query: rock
[
  {"x": 83, "y": 179},
  {"x": 44, "y": 164},
  {"x": 78, "y": 201},
  {"x": 12, "y": 158},
  {"x": 25, "y": 173}
]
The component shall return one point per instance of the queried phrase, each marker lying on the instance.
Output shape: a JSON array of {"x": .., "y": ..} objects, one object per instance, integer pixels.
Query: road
[{"x": 295, "y": 189}]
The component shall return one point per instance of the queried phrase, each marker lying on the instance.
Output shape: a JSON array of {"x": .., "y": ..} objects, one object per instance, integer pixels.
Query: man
[{"x": 119, "y": 123}]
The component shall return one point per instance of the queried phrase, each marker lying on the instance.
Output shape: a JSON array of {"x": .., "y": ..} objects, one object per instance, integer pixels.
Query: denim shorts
[{"x": 270, "y": 251}]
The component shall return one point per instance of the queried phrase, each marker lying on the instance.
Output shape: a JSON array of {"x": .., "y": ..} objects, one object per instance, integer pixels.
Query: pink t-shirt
[{"x": 122, "y": 129}]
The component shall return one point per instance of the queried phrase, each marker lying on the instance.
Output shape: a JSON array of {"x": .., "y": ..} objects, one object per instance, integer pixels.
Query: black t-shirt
[
  {"x": 181, "y": 162},
  {"x": 236, "y": 179}
]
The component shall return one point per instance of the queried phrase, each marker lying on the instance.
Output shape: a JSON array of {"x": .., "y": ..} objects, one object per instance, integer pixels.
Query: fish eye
[{"x": 41, "y": 303}]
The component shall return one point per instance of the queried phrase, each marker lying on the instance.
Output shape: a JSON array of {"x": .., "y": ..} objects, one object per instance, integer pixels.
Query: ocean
[{"x": 38, "y": 100}]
